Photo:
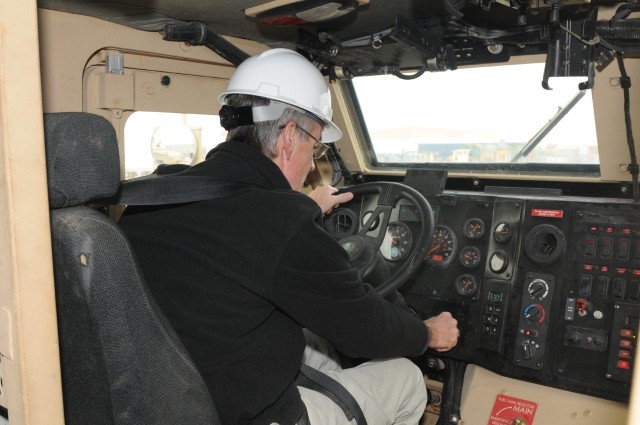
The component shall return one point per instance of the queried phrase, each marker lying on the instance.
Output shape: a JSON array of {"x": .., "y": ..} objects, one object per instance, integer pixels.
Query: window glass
[
  {"x": 155, "y": 138},
  {"x": 487, "y": 115}
]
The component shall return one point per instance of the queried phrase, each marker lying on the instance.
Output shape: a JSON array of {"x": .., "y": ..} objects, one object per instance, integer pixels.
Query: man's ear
[{"x": 287, "y": 135}]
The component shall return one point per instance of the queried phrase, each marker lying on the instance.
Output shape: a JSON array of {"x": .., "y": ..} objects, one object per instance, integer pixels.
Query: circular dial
[
  {"x": 470, "y": 257},
  {"x": 503, "y": 232},
  {"x": 473, "y": 228},
  {"x": 538, "y": 288},
  {"x": 466, "y": 285},
  {"x": 498, "y": 262},
  {"x": 443, "y": 247},
  {"x": 534, "y": 313},
  {"x": 397, "y": 242}
]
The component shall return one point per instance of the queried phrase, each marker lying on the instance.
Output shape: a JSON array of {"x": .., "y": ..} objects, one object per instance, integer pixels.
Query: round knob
[
  {"x": 534, "y": 313},
  {"x": 574, "y": 337},
  {"x": 528, "y": 351},
  {"x": 538, "y": 288}
]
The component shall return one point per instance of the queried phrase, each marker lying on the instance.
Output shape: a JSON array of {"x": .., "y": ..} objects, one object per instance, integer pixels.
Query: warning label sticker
[
  {"x": 537, "y": 212},
  {"x": 510, "y": 410}
]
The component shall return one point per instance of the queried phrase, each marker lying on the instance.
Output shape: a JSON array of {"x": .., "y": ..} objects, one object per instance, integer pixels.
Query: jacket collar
[{"x": 237, "y": 162}]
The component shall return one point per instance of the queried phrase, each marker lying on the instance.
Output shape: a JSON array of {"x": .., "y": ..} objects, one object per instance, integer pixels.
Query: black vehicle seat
[{"x": 122, "y": 363}]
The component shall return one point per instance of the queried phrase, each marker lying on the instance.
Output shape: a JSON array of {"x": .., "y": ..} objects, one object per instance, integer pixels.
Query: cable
[
  {"x": 625, "y": 83},
  {"x": 395, "y": 71},
  {"x": 342, "y": 170}
]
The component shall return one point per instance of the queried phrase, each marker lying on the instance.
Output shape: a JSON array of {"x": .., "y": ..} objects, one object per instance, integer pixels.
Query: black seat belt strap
[
  {"x": 315, "y": 380},
  {"x": 170, "y": 189}
]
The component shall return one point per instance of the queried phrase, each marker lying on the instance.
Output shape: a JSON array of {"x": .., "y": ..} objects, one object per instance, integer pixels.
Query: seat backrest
[{"x": 122, "y": 363}]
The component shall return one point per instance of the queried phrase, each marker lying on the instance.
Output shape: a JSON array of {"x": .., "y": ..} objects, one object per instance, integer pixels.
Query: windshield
[{"x": 477, "y": 118}]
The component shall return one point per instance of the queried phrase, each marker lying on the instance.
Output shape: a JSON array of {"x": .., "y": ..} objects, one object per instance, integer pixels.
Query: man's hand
[
  {"x": 324, "y": 196},
  {"x": 443, "y": 331}
]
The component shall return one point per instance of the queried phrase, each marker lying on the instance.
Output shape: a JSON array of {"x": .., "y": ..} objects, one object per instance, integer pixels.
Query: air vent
[
  {"x": 341, "y": 223},
  {"x": 544, "y": 244}
]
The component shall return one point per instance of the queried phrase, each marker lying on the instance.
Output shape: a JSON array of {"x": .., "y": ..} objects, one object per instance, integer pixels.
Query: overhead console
[{"x": 545, "y": 288}]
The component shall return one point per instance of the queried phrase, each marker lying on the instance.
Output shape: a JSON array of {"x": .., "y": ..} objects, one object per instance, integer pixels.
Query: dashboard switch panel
[
  {"x": 494, "y": 307},
  {"x": 624, "y": 337},
  {"x": 534, "y": 320}
]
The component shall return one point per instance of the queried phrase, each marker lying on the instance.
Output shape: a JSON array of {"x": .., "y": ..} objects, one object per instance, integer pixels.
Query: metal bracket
[
  {"x": 571, "y": 52},
  {"x": 408, "y": 32}
]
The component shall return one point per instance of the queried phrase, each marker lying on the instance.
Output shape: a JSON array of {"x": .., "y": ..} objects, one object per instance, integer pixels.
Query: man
[{"x": 241, "y": 277}]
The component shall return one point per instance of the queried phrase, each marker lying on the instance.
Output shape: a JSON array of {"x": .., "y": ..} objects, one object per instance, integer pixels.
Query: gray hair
[{"x": 263, "y": 135}]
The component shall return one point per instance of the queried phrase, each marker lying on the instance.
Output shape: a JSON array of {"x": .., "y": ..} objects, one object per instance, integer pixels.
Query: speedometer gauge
[
  {"x": 443, "y": 247},
  {"x": 397, "y": 242}
]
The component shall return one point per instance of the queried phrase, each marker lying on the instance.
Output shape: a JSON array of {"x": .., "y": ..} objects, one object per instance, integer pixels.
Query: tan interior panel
[
  {"x": 30, "y": 357},
  {"x": 481, "y": 388}
]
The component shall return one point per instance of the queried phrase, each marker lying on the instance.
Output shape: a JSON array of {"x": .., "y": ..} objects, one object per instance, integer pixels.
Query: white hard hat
[{"x": 285, "y": 76}]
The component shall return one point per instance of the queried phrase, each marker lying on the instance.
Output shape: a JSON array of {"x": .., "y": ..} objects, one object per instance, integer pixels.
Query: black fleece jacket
[{"x": 239, "y": 278}]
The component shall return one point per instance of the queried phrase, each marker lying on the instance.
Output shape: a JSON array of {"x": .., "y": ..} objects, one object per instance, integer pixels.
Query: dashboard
[{"x": 545, "y": 288}]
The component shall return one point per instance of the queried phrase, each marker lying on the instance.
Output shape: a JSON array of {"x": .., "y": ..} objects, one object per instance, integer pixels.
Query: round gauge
[
  {"x": 397, "y": 242},
  {"x": 498, "y": 262},
  {"x": 473, "y": 228},
  {"x": 470, "y": 257},
  {"x": 466, "y": 285},
  {"x": 443, "y": 247},
  {"x": 503, "y": 232}
]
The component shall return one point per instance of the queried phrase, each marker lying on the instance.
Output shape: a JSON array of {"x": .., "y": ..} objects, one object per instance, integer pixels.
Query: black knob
[
  {"x": 528, "y": 351},
  {"x": 533, "y": 313},
  {"x": 538, "y": 288},
  {"x": 574, "y": 337}
]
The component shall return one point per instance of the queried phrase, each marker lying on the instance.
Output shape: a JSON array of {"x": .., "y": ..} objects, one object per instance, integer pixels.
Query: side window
[{"x": 155, "y": 138}]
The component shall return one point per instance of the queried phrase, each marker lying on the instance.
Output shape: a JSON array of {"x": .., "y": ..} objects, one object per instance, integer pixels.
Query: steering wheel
[{"x": 363, "y": 245}]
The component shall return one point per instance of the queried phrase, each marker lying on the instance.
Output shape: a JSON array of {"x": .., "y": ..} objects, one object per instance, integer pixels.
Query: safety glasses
[{"x": 319, "y": 148}]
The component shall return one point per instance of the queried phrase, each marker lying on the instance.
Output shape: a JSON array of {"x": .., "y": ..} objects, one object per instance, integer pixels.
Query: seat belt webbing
[
  {"x": 170, "y": 189},
  {"x": 315, "y": 380}
]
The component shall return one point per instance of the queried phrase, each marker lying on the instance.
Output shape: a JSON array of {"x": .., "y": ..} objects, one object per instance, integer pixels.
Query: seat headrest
[{"x": 82, "y": 158}]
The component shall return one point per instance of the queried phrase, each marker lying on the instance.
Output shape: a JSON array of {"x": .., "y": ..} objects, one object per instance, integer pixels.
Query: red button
[
  {"x": 625, "y": 343},
  {"x": 623, "y": 364},
  {"x": 624, "y": 354},
  {"x": 626, "y": 333}
]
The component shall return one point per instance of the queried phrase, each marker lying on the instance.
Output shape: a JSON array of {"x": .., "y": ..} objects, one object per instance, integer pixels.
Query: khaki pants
[{"x": 388, "y": 391}]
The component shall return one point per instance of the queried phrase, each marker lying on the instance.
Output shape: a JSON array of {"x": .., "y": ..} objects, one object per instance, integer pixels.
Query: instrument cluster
[{"x": 545, "y": 289}]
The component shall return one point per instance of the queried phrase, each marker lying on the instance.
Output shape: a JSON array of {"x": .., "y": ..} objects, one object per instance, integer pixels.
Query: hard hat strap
[{"x": 236, "y": 116}]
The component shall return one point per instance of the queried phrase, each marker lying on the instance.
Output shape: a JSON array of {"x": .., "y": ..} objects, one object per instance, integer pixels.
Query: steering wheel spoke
[
  {"x": 382, "y": 214},
  {"x": 388, "y": 196}
]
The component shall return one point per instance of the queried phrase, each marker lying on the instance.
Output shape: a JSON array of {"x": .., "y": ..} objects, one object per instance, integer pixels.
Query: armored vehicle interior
[{"x": 514, "y": 119}]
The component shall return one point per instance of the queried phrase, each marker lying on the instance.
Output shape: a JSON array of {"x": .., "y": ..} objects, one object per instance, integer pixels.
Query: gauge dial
[
  {"x": 466, "y": 285},
  {"x": 470, "y": 257},
  {"x": 397, "y": 242},
  {"x": 503, "y": 232},
  {"x": 473, "y": 228},
  {"x": 498, "y": 262},
  {"x": 443, "y": 247}
]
